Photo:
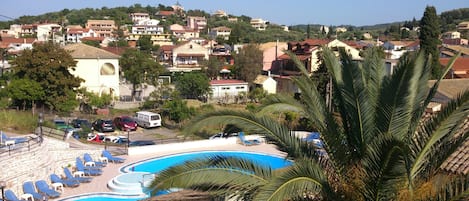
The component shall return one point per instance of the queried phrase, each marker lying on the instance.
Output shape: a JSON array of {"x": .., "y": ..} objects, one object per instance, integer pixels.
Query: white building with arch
[{"x": 99, "y": 68}]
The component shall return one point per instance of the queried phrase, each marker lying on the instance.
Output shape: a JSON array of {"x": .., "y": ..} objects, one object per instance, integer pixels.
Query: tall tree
[
  {"x": 193, "y": 85},
  {"x": 248, "y": 62},
  {"x": 50, "y": 66},
  {"x": 139, "y": 68},
  {"x": 213, "y": 68},
  {"x": 25, "y": 91},
  {"x": 378, "y": 145},
  {"x": 429, "y": 38}
]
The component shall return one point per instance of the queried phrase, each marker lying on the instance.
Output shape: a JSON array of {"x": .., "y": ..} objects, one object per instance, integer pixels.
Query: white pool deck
[{"x": 99, "y": 183}]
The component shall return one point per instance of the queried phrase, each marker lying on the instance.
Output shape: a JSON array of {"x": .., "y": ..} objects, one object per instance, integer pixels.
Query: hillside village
[{"x": 183, "y": 49}]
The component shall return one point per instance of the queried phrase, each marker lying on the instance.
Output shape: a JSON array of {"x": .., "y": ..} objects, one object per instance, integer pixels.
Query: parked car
[
  {"x": 79, "y": 123},
  {"x": 125, "y": 123},
  {"x": 61, "y": 124},
  {"x": 116, "y": 139},
  {"x": 103, "y": 125},
  {"x": 96, "y": 137},
  {"x": 141, "y": 143}
]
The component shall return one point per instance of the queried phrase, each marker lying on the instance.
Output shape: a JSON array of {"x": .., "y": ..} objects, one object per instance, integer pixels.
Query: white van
[{"x": 147, "y": 119}]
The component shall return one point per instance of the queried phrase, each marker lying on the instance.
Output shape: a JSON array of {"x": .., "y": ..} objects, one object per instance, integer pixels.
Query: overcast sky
[{"x": 327, "y": 12}]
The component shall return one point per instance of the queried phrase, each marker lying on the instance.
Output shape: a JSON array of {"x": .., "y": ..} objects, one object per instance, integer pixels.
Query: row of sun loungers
[{"x": 41, "y": 190}]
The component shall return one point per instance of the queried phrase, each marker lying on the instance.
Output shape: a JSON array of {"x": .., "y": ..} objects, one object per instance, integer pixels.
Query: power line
[{"x": 7, "y": 17}]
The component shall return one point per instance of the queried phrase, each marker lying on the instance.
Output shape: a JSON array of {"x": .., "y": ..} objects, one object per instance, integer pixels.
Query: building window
[
  {"x": 108, "y": 69},
  {"x": 240, "y": 87},
  {"x": 225, "y": 88}
]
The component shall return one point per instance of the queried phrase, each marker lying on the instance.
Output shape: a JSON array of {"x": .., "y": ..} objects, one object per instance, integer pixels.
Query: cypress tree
[{"x": 429, "y": 38}]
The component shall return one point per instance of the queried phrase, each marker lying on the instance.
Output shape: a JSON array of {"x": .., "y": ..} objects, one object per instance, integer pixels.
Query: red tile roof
[
  {"x": 287, "y": 57},
  {"x": 165, "y": 13},
  {"x": 461, "y": 64},
  {"x": 115, "y": 50},
  {"x": 75, "y": 31},
  {"x": 93, "y": 38},
  {"x": 225, "y": 82},
  {"x": 166, "y": 48},
  {"x": 315, "y": 42}
]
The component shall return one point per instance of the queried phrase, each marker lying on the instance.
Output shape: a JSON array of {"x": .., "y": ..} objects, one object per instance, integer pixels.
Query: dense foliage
[
  {"x": 193, "y": 85},
  {"x": 430, "y": 38},
  {"x": 248, "y": 62},
  {"x": 49, "y": 65},
  {"x": 139, "y": 68}
]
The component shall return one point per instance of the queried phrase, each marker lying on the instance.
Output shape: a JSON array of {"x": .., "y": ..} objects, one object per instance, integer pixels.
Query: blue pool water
[
  {"x": 161, "y": 163},
  {"x": 158, "y": 164}
]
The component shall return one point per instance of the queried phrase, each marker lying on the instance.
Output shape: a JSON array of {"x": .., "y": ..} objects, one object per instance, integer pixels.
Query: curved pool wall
[{"x": 103, "y": 197}]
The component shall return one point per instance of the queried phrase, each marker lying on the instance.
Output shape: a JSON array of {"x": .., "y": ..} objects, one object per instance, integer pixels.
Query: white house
[
  {"x": 228, "y": 88},
  {"x": 149, "y": 26},
  {"x": 74, "y": 35},
  {"x": 334, "y": 45},
  {"x": 222, "y": 31},
  {"x": 189, "y": 55},
  {"x": 259, "y": 24},
  {"x": 267, "y": 83},
  {"x": 136, "y": 17},
  {"x": 99, "y": 68}
]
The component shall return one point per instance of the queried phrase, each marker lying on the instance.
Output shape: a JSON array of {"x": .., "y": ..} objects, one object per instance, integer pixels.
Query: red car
[{"x": 125, "y": 123}]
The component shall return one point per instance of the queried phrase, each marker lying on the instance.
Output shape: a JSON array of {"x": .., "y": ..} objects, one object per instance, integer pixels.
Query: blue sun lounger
[
  {"x": 66, "y": 182},
  {"x": 246, "y": 142},
  {"x": 11, "y": 196},
  {"x": 43, "y": 187},
  {"x": 90, "y": 171},
  {"x": 112, "y": 158},
  {"x": 88, "y": 159},
  {"x": 69, "y": 176},
  {"x": 28, "y": 187}
]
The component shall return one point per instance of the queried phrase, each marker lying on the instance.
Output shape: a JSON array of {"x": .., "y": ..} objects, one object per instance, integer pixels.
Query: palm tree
[{"x": 379, "y": 144}]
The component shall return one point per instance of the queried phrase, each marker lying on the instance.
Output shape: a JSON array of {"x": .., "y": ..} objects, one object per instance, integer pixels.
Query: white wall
[{"x": 89, "y": 70}]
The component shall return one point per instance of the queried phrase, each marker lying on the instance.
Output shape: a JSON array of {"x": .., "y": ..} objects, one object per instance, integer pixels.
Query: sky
[{"x": 293, "y": 12}]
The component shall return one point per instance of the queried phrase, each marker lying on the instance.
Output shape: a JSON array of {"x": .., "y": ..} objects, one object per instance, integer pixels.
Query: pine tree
[{"x": 429, "y": 38}]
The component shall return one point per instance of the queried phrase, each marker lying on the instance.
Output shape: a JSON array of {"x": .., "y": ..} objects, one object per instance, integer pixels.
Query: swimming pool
[{"x": 130, "y": 179}]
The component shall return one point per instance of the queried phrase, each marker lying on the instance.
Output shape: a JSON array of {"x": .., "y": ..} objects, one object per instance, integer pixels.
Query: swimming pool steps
[{"x": 133, "y": 183}]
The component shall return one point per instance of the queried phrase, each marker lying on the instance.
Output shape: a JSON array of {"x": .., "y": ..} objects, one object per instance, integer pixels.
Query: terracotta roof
[
  {"x": 17, "y": 40},
  {"x": 92, "y": 38},
  {"x": 301, "y": 57},
  {"x": 83, "y": 51},
  {"x": 225, "y": 82},
  {"x": 74, "y": 31},
  {"x": 461, "y": 63},
  {"x": 165, "y": 13},
  {"x": 166, "y": 48},
  {"x": 115, "y": 50},
  {"x": 458, "y": 161},
  {"x": 315, "y": 42}
]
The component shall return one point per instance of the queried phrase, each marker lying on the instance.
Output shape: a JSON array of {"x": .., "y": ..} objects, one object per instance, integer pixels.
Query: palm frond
[
  {"x": 280, "y": 103},
  {"x": 437, "y": 133},
  {"x": 305, "y": 179},
  {"x": 222, "y": 175},
  {"x": 400, "y": 97},
  {"x": 250, "y": 123}
]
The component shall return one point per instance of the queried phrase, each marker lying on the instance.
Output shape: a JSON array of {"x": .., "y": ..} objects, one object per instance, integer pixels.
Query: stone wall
[{"x": 39, "y": 162}]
